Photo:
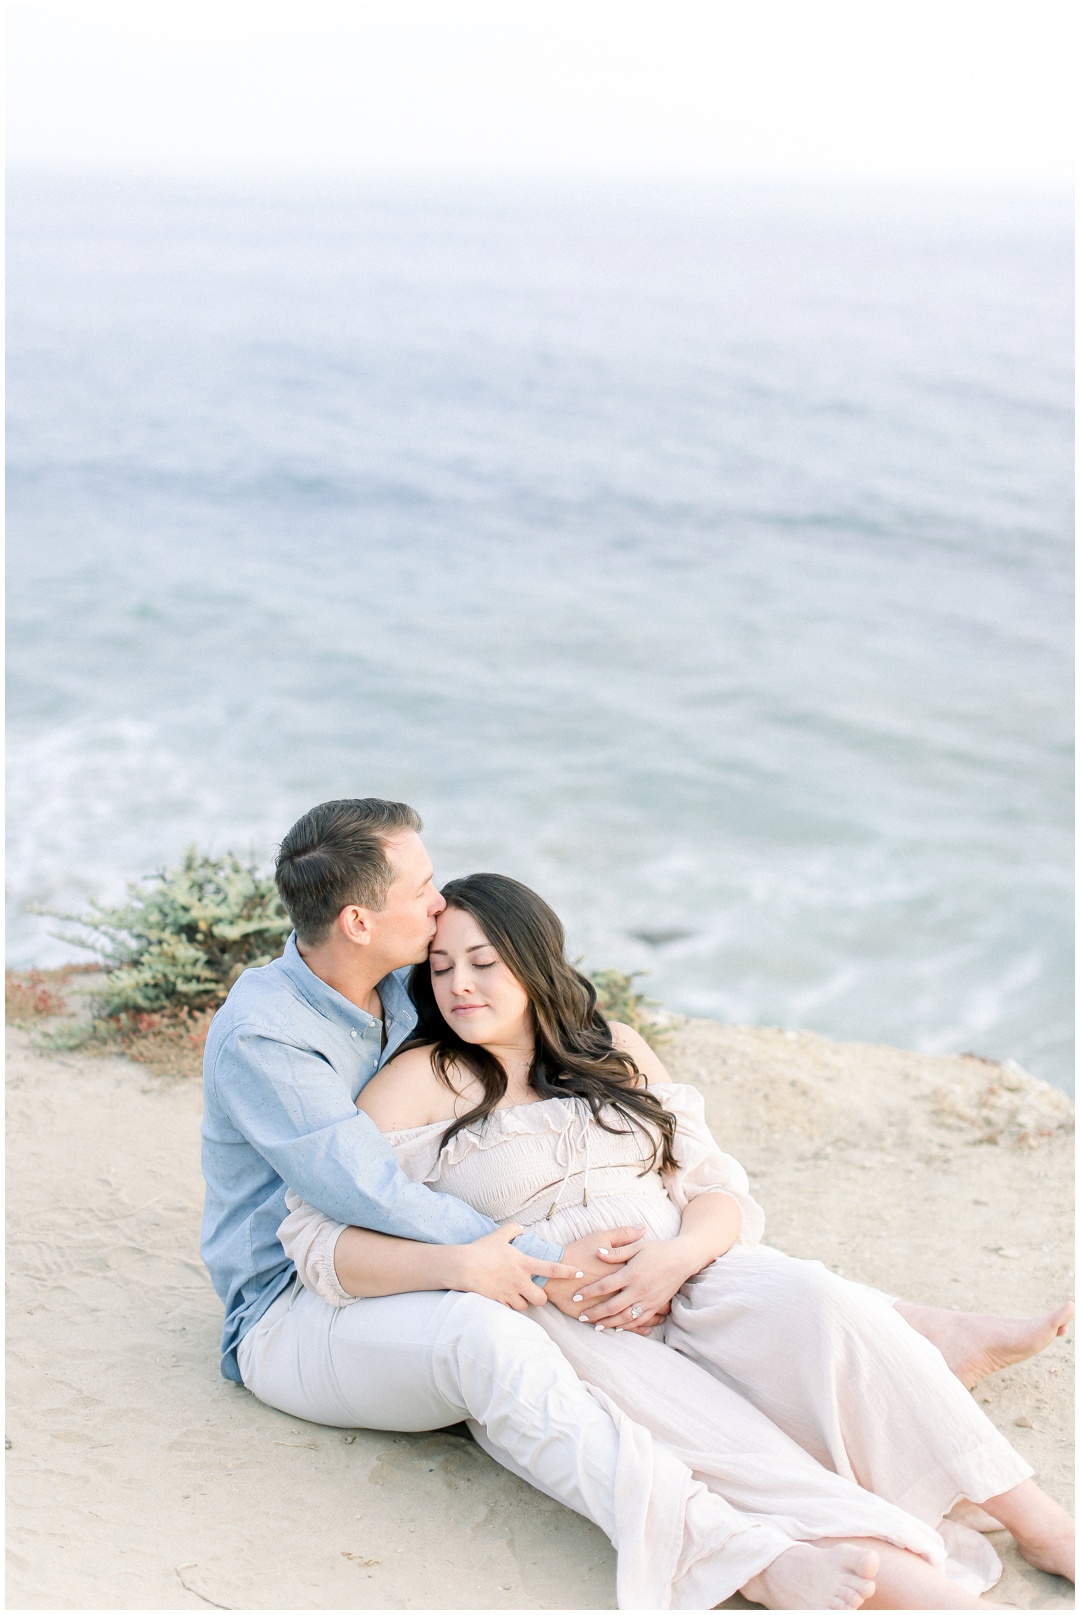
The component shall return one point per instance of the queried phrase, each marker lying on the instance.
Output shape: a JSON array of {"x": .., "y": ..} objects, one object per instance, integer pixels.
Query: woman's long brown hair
[{"x": 574, "y": 1053}]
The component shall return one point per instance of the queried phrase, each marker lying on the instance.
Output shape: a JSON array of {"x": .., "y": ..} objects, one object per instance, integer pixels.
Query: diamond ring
[{"x": 635, "y": 1312}]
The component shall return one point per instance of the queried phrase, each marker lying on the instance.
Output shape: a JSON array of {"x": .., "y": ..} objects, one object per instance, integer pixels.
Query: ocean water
[{"x": 699, "y": 554}]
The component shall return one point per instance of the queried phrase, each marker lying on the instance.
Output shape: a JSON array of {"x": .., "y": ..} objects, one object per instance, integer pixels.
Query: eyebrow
[{"x": 474, "y": 949}]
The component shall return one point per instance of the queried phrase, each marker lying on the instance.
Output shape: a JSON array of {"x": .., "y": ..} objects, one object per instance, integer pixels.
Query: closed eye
[{"x": 446, "y": 969}]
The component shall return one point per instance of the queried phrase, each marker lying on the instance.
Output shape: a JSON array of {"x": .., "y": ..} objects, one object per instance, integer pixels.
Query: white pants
[{"x": 423, "y": 1361}]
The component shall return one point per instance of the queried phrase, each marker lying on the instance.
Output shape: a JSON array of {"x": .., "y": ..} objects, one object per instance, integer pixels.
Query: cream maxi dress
[{"x": 802, "y": 1399}]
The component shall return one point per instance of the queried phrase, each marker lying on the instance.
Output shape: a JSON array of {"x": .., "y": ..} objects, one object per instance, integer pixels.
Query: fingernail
[
  {"x": 578, "y": 1276},
  {"x": 598, "y": 1326},
  {"x": 603, "y": 1251},
  {"x": 582, "y": 1318},
  {"x": 618, "y": 1329},
  {"x": 575, "y": 1297}
]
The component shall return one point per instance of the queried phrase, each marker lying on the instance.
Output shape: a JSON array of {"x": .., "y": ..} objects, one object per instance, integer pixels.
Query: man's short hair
[{"x": 335, "y": 855}]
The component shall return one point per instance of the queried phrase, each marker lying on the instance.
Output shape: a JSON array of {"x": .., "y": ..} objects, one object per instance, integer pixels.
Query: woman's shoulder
[
  {"x": 412, "y": 1063},
  {"x": 648, "y": 1062},
  {"x": 406, "y": 1092}
]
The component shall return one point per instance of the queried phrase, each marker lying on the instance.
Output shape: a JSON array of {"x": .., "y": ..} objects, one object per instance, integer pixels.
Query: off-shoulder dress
[{"x": 800, "y": 1397}]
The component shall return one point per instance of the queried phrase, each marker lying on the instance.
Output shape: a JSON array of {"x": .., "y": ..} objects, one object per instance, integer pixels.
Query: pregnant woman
[{"x": 799, "y": 1397}]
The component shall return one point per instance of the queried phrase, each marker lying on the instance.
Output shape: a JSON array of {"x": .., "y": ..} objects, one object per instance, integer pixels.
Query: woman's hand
[
  {"x": 648, "y": 1280},
  {"x": 491, "y": 1266},
  {"x": 593, "y": 1256},
  {"x": 710, "y": 1226}
]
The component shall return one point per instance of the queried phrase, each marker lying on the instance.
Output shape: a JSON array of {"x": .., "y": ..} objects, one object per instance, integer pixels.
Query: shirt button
[{"x": 352, "y": 1033}]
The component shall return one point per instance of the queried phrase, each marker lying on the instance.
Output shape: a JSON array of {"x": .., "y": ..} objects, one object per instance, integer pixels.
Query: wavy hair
[{"x": 574, "y": 1053}]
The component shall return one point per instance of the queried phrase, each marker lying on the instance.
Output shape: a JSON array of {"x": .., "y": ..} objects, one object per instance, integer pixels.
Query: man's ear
[{"x": 354, "y": 923}]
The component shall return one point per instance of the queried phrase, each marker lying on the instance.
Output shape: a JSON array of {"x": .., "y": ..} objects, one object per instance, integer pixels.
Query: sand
[{"x": 138, "y": 1478}]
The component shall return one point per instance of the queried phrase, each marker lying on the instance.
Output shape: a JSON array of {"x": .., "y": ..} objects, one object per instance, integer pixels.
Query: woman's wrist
[
  {"x": 697, "y": 1250},
  {"x": 451, "y": 1267},
  {"x": 688, "y": 1255}
]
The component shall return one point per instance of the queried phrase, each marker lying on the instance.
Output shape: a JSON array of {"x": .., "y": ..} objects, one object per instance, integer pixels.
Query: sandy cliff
[{"x": 139, "y": 1478}]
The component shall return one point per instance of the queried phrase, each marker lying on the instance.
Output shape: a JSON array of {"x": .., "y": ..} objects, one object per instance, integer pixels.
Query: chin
[
  {"x": 470, "y": 1031},
  {"x": 467, "y": 1033}
]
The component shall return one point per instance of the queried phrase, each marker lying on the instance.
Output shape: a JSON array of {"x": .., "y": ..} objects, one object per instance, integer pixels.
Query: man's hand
[
  {"x": 593, "y": 1256},
  {"x": 491, "y": 1266}
]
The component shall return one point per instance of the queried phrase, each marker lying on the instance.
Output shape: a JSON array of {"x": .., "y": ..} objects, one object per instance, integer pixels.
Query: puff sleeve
[
  {"x": 308, "y": 1238},
  {"x": 703, "y": 1168}
]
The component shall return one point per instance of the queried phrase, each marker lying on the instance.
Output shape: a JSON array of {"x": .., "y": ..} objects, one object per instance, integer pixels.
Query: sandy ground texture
[{"x": 138, "y": 1478}]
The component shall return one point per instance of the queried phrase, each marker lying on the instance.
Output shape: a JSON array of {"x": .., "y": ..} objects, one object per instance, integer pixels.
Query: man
[{"x": 440, "y": 1336}]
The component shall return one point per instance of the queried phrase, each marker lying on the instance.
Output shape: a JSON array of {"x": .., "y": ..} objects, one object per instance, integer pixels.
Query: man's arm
[{"x": 292, "y": 1107}]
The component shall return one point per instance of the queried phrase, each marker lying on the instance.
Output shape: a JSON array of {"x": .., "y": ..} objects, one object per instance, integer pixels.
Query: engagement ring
[{"x": 635, "y": 1312}]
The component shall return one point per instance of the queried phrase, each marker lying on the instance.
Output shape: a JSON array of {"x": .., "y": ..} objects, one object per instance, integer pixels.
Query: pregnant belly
[{"x": 659, "y": 1215}]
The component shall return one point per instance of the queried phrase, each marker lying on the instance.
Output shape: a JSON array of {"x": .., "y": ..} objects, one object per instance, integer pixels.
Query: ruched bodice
[
  {"x": 552, "y": 1166},
  {"x": 544, "y": 1165}
]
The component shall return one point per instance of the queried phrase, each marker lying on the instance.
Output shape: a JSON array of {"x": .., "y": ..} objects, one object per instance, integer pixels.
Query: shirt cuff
[{"x": 533, "y": 1245}]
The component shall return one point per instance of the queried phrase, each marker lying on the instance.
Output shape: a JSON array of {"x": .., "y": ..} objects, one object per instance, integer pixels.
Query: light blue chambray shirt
[{"x": 285, "y": 1059}]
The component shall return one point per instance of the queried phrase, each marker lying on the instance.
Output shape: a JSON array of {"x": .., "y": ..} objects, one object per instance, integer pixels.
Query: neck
[
  {"x": 351, "y": 971},
  {"x": 516, "y": 1056}
]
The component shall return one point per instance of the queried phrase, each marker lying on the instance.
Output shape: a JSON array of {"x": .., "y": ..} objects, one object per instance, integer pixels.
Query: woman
[{"x": 797, "y": 1396}]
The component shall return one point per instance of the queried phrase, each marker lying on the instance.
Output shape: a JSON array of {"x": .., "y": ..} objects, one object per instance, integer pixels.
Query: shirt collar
[{"x": 397, "y": 1005}]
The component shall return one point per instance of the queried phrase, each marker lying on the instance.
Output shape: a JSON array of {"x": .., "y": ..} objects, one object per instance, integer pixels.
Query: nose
[{"x": 438, "y": 903}]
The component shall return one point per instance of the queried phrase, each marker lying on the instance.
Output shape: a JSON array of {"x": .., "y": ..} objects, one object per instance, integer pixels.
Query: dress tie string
[{"x": 580, "y": 1112}]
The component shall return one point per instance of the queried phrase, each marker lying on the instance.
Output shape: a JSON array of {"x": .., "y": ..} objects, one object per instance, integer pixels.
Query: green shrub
[
  {"x": 183, "y": 936},
  {"x": 617, "y": 1000}
]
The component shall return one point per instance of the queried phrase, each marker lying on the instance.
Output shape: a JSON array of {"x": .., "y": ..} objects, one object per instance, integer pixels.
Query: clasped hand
[
  {"x": 599, "y": 1279},
  {"x": 647, "y": 1275}
]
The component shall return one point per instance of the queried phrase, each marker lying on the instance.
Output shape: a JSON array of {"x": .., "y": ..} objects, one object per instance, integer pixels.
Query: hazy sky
[{"x": 941, "y": 89}]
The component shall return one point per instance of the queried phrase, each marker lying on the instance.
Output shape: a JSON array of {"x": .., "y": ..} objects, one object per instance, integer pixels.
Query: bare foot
[
  {"x": 975, "y": 1344},
  {"x": 806, "y": 1577}
]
